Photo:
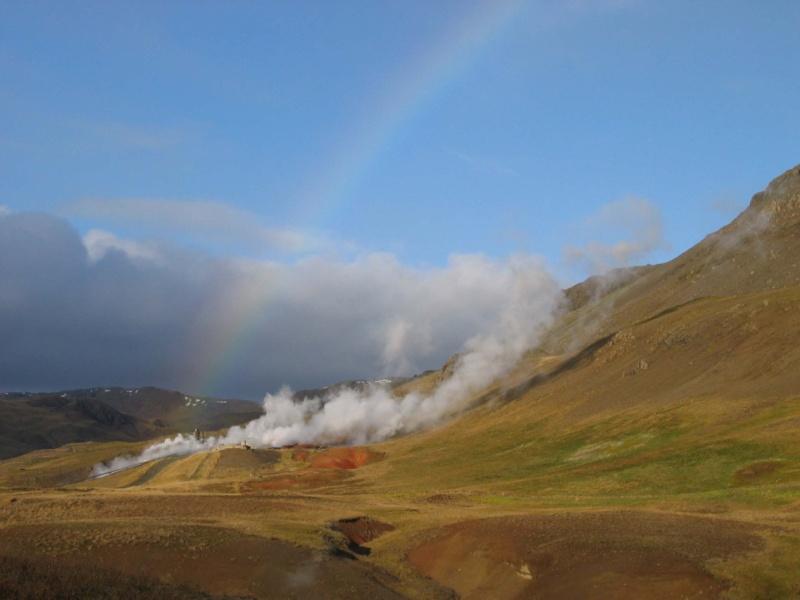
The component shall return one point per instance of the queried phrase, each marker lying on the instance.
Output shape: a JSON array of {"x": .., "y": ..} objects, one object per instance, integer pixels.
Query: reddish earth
[
  {"x": 336, "y": 460},
  {"x": 305, "y": 479},
  {"x": 609, "y": 555},
  {"x": 343, "y": 457},
  {"x": 301, "y": 454}
]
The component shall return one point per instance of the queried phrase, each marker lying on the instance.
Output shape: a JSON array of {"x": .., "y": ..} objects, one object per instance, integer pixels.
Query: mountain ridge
[{"x": 33, "y": 421}]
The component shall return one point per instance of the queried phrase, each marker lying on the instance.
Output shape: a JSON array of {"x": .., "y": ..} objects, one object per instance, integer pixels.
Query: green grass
[{"x": 616, "y": 461}]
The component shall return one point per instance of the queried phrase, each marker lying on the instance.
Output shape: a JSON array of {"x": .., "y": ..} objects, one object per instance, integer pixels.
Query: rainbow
[
  {"x": 421, "y": 80},
  {"x": 223, "y": 328}
]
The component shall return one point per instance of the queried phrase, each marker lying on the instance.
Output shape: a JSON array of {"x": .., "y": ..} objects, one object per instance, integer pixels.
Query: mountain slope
[
  {"x": 707, "y": 344},
  {"x": 175, "y": 410},
  {"x": 758, "y": 251},
  {"x": 675, "y": 388},
  {"x": 48, "y": 421},
  {"x": 35, "y": 421}
]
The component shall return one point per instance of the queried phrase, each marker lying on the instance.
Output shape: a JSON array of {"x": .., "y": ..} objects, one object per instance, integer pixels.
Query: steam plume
[
  {"x": 642, "y": 225},
  {"x": 354, "y": 416}
]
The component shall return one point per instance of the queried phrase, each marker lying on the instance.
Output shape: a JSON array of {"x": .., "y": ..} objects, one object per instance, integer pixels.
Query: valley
[{"x": 647, "y": 447}]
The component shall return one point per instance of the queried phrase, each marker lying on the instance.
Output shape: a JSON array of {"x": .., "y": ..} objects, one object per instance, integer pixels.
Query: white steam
[
  {"x": 352, "y": 416},
  {"x": 637, "y": 219}
]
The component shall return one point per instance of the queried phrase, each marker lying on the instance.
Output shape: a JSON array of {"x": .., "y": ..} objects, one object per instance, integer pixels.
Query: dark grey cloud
[
  {"x": 67, "y": 321},
  {"x": 99, "y": 310}
]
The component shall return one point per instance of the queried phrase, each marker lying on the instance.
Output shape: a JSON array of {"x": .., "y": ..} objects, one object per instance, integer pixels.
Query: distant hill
[
  {"x": 173, "y": 409},
  {"x": 48, "y": 420}
]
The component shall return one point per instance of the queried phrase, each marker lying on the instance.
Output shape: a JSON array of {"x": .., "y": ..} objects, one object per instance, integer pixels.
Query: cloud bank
[{"x": 101, "y": 310}]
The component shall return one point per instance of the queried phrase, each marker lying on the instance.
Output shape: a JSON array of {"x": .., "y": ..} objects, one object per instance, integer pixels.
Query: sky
[{"x": 228, "y": 196}]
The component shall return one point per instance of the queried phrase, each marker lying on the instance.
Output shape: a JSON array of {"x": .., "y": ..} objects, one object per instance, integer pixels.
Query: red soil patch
[
  {"x": 344, "y": 458},
  {"x": 301, "y": 480},
  {"x": 610, "y": 555},
  {"x": 301, "y": 454}
]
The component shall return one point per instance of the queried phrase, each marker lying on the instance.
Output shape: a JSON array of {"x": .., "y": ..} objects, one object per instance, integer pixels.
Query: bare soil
[
  {"x": 343, "y": 458},
  {"x": 361, "y": 530},
  {"x": 609, "y": 555},
  {"x": 213, "y": 560}
]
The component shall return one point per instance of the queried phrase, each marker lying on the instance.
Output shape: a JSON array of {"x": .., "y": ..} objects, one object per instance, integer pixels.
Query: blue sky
[
  {"x": 230, "y": 196},
  {"x": 509, "y": 146}
]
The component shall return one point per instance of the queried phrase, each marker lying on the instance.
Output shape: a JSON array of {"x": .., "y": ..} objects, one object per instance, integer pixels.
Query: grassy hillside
[{"x": 647, "y": 449}]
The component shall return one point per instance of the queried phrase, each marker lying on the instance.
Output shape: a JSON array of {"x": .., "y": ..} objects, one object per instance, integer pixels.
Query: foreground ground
[{"x": 632, "y": 506}]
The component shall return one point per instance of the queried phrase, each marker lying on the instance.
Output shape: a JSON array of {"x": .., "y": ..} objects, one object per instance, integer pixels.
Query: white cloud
[
  {"x": 202, "y": 219},
  {"x": 111, "y": 313},
  {"x": 99, "y": 243}
]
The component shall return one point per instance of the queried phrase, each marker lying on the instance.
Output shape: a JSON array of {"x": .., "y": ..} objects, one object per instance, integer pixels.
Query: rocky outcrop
[{"x": 781, "y": 198}]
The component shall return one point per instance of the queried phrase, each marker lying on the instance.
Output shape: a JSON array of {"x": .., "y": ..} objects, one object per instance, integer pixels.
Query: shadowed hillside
[
  {"x": 175, "y": 410},
  {"x": 31, "y": 423},
  {"x": 34, "y": 421}
]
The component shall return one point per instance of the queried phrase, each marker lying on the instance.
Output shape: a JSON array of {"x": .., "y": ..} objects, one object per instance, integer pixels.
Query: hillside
[
  {"x": 703, "y": 347},
  {"x": 36, "y": 421},
  {"x": 758, "y": 252},
  {"x": 49, "y": 421},
  {"x": 173, "y": 409},
  {"x": 648, "y": 448}
]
